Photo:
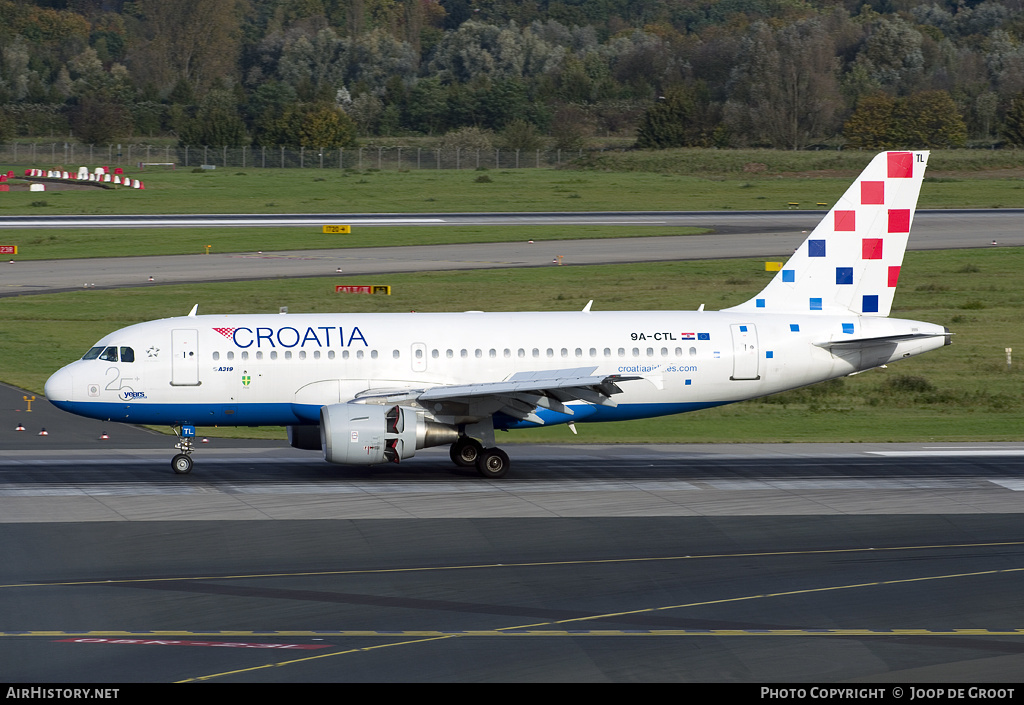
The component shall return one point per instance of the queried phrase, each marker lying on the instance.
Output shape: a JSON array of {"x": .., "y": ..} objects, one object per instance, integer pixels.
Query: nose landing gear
[{"x": 182, "y": 462}]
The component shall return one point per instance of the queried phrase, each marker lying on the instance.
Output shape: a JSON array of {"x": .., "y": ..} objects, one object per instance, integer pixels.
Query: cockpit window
[
  {"x": 109, "y": 354},
  {"x": 127, "y": 354},
  {"x": 93, "y": 353}
]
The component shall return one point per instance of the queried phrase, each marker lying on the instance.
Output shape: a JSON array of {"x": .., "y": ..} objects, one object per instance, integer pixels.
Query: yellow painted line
[
  {"x": 507, "y": 632},
  {"x": 302, "y": 660},
  {"x": 482, "y": 566},
  {"x": 787, "y": 593}
]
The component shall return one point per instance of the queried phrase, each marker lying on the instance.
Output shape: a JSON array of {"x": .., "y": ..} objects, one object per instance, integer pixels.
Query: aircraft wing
[{"x": 524, "y": 392}]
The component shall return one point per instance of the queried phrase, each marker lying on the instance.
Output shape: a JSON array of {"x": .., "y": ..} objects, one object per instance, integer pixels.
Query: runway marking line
[
  {"x": 607, "y": 561},
  {"x": 108, "y": 637},
  {"x": 181, "y": 642}
]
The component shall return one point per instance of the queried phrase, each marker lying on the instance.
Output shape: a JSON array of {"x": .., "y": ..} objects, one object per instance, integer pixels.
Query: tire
[
  {"x": 465, "y": 452},
  {"x": 493, "y": 463},
  {"x": 181, "y": 464}
]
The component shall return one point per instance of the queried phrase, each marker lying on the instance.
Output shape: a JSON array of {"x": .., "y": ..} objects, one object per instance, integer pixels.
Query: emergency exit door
[{"x": 745, "y": 352}]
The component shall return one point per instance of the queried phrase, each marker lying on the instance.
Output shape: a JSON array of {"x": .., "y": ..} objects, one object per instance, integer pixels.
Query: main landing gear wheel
[
  {"x": 492, "y": 463},
  {"x": 181, "y": 464},
  {"x": 465, "y": 451}
]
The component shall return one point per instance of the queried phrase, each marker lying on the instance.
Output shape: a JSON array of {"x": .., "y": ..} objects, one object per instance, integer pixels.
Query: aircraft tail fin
[{"x": 851, "y": 261}]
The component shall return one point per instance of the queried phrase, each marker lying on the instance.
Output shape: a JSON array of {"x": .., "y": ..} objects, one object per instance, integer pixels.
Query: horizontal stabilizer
[{"x": 861, "y": 343}]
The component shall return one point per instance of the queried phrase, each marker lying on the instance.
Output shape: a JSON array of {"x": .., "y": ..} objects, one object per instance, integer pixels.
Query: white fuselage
[{"x": 281, "y": 369}]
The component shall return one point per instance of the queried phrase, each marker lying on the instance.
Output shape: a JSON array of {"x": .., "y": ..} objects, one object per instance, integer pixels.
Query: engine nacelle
[{"x": 367, "y": 434}]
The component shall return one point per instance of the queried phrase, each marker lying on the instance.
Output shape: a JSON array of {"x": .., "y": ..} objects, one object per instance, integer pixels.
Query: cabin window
[
  {"x": 245, "y": 354},
  {"x": 287, "y": 354},
  {"x": 330, "y": 354},
  {"x": 231, "y": 355},
  {"x": 302, "y": 354},
  {"x": 316, "y": 354},
  {"x": 521, "y": 352},
  {"x": 492, "y": 353},
  {"x": 536, "y": 352},
  {"x": 259, "y": 354},
  {"x": 273, "y": 354},
  {"x": 565, "y": 352},
  {"x": 435, "y": 353},
  {"x": 359, "y": 354},
  {"x": 508, "y": 353},
  {"x": 551, "y": 352},
  {"x": 607, "y": 352},
  {"x": 478, "y": 353},
  {"x": 216, "y": 356},
  {"x": 693, "y": 352},
  {"x": 419, "y": 354}
]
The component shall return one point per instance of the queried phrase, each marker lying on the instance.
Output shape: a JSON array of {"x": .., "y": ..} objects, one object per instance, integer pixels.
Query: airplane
[{"x": 373, "y": 388}]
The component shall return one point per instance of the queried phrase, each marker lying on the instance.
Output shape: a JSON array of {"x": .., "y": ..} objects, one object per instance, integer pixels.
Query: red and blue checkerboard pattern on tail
[{"x": 851, "y": 262}]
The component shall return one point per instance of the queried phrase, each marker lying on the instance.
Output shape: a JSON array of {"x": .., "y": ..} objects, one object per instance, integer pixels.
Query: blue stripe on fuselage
[
  {"x": 285, "y": 414},
  {"x": 196, "y": 414}
]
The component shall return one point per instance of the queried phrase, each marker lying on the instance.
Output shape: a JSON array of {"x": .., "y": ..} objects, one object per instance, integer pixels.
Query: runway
[{"x": 767, "y": 234}]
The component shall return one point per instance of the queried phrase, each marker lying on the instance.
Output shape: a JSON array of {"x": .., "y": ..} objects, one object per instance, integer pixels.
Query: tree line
[{"x": 787, "y": 74}]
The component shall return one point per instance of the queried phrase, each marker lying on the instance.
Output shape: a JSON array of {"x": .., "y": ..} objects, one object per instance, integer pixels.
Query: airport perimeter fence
[{"x": 72, "y": 155}]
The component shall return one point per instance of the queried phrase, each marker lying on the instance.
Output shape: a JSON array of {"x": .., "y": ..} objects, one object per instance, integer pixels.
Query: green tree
[
  {"x": 929, "y": 119},
  {"x": 325, "y": 125},
  {"x": 870, "y": 126},
  {"x": 217, "y": 123},
  {"x": 925, "y": 119},
  {"x": 96, "y": 121},
  {"x": 683, "y": 118},
  {"x": 187, "y": 40},
  {"x": 1013, "y": 127}
]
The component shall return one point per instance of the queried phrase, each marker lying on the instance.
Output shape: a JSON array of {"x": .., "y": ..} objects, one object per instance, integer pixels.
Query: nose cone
[{"x": 60, "y": 386}]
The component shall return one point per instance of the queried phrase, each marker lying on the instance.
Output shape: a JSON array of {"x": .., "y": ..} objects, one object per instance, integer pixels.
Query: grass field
[
  {"x": 962, "y": 392},
  {"x": 671, "y": 180}
]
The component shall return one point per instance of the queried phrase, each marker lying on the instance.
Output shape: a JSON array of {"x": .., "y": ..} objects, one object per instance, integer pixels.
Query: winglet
[
  {"x": 192, "y": 313},
  {"x": 851, "y": 262}
]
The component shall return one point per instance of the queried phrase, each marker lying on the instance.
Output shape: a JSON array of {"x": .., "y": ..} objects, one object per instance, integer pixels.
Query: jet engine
[{"x": 367, "y": 434}]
